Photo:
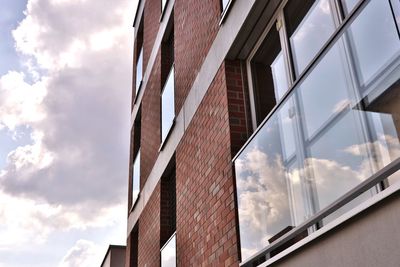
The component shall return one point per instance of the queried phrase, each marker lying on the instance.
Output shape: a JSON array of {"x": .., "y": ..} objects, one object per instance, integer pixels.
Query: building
[
  {"x": 115, "y": 256},
  {"x": 265, "y": 133}
]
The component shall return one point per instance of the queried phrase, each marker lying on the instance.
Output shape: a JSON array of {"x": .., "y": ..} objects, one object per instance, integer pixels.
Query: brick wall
[
  {"x": 151, "y": 18},
  {"x": 238, "y": 104},
  {"x": 150, "y": 122},
  {"x": 206, "y": 216},
  {"x": 196, "y": 25},
  {"x": 149, "y": 232}
]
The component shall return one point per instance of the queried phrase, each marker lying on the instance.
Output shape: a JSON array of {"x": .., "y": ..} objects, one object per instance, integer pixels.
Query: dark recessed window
[{"x": 168, "y": 89}]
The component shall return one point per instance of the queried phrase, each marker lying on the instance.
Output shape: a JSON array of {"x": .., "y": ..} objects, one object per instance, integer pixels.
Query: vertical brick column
[
  {"x": 206, "y": 216},
  {"x": 150, "y": 123},
  {"x": 196, "y": 24},
  {"x": 149, "y": 232}
]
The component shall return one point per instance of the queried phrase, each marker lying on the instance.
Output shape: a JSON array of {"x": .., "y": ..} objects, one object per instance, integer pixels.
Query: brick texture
[
  {"x": 150, "y": 122},
  {"x": 206, "y": 217},
  {"x": 238, "y": 104},
  {"x": 151, "y": 18},
  {"x": 196, "y": 25},
  {"x": 149, "y": 232}
]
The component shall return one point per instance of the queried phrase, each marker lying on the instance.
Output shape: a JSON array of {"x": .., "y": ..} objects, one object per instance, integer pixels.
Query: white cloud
[
  {"x": 20, "y": 102},
  {"x": 36, "y": 156},
  {"x": 26, "y": 222},
  {"x": 74, "y": 174},
  {"x": 83, "y": 254}
]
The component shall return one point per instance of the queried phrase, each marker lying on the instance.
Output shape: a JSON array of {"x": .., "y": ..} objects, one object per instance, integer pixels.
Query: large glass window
[
  {"x": 337, "y": 127},
  {"x": 136, "y": 178},
  {"x": 167, "y": 105},
  {"x": 312, "y": 32},
  {"x": 168, "y": 253},
  {"x": 270, "y": 75},
  {"x": 163, "y": 3},
  {"x": 139, "y": 70},
  {"x": 224, "y": 4}
]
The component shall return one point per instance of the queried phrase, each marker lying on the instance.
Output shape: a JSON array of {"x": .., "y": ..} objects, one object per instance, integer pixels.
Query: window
[
  {"x": 139, "y": 70},
  {"x": 168, "y": 216},
  {"x": 168, "y": 253},
  {"x": 167, "y": 106},
  {"x": 139, "y": 57},
  {"x": 134, "y": 246},
  {"x": 168, "y": 81},
  {"x": 163, "y": 4},
  {"x": 224, "y": 4},
  {"x": 135, "y": 155},
  {"x": 326, "y": 101},
  {"x": 136, "y": 178}
]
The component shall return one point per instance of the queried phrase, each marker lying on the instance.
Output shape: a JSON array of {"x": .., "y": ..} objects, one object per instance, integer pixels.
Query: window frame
[
  {"x": 225, "y": 10},
  {"x": 172, "y": 123},
  {"x": 166, "y": 244},
  {"x": 278, "y": 18},
  {"x": 134, "y": 199},
  {"x": 139, "y": 85}
]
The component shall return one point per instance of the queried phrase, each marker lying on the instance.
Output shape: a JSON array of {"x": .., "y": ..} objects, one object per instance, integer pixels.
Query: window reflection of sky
[
  {"x": 139, "y": 70},
  {"x": 373, "y": 54},
  {"x": 136, "y": 178},
  {"x": 168, "y": 253},
  {"x": 335, "y": 148},
  {"x": 311, "y": 34},
  {"x": 167, "y": 106}
]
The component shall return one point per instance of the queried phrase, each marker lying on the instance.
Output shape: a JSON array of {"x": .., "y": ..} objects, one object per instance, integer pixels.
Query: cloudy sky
[{"x": 65, "y": 79}]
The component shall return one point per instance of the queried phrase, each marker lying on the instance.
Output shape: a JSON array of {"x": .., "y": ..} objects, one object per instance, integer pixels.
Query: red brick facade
[
  {"x": 203, "y": 184},
  {"x": 206, "y": 226},
  {"x": 150, "y": 123},
  {"x": 149, "y": 232},
  {"x": 196, "y": 25}
]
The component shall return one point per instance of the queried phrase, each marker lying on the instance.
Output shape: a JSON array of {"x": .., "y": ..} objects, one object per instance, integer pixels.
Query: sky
[{"x": 65, "y": 86}]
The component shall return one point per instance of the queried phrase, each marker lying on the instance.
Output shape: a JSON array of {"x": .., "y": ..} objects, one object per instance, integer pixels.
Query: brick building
[{"x": 265, "y": 133}]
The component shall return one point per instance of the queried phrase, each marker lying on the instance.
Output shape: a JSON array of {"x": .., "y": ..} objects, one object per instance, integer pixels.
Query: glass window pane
[
  {"x": 136, "y": 178},
  {"x": 163, "y": 2},
  {"x": 264, "y": 188},
  {"x": 312, "y": 33},
  {"x": 139, "y": 70},
  {"x": 168, "y": 253},
  {"x": 325, "y": 91},
  {"x": 224, "y": 4},
  {"x": 339, "y": 159},
  {"x": 327, "y": 137},
  {"x": 348, "y": 5},
  {"x": 167, "y": 106},
  {"x": 270, "y": 75},
  {"x": 372, "y": 55},
  {"x": 281, "y": 83}
]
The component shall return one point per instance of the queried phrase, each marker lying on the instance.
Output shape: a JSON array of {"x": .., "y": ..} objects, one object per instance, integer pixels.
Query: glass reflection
[
  {"x": 312, "y": 33},
  {"x": 167, "y": 106},
  {"x": 139, "y": 70},
  {"x": 373, "y": 55},
  {"x": 323, "y": 140},
  {"x": 348, "y": 5},
  {"x": 168, "y": 253},
  {"x": 262, "y": 184},
  {"x": 136, "y": 178},
  {"x": 329, "y": 84},
  {"x": 279, "y": 77},
  {"x": 224, "y": 4}
]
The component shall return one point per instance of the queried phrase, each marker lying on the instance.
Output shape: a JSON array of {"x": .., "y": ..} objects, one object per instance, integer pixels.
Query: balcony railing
[{"x": 330, "y": 143}]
